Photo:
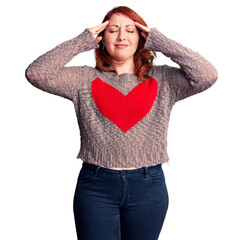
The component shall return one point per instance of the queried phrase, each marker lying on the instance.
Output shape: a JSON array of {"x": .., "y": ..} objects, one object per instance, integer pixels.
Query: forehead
[{"x": 119, "y": 19}]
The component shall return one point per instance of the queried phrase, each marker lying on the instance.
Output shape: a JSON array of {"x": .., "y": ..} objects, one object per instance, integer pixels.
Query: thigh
[
  {"x": 96, "y": 213},
  {"x": 145, "y": 211}
]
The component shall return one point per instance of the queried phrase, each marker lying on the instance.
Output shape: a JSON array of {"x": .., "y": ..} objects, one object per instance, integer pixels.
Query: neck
[{"x": 127, "y": 66}]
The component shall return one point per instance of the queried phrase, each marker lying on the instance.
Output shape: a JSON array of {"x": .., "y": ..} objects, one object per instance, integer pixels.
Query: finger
[
  {"x": 143, "y": 28},
  {"x": 98, "y": 39},
  {"x": 100, "y": 27},
  {"x": 144, "y": 34}
]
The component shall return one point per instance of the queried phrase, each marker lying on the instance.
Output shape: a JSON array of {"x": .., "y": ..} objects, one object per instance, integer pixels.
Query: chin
[{"x": 122, "y": 57}]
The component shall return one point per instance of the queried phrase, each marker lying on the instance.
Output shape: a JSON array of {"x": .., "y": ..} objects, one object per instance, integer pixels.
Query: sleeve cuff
[
  {"x": 154, "y": 40},
  {"x": 86, "y": 41}
]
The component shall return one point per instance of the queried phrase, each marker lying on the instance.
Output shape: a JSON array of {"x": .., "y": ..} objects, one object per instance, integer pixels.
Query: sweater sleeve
[
  {"x": 195, "y": 74},
  {"x": 48, "y": 72}
]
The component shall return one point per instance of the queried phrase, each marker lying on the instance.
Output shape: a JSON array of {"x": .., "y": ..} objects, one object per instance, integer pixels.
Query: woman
[{"x": 123, "y": 107}]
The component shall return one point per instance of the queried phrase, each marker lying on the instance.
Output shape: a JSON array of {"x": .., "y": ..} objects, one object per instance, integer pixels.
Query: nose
[{"x": 121, "y": 35}]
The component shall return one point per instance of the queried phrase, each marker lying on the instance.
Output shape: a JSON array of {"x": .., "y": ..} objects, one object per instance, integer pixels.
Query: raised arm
[
  {"x": 195, "y": 74},
  {"x": 48, "y": 72}
]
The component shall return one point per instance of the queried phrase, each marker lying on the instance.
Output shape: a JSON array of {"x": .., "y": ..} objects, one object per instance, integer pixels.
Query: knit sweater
[{"x": 123, "y": 122}]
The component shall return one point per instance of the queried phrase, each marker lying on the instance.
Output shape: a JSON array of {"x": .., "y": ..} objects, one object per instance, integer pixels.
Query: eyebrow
[{"x": 126, "y": 25}]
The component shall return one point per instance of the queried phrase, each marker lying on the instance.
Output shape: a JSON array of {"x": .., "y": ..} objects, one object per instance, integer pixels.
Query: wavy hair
[{"x": 143, "y": 58}]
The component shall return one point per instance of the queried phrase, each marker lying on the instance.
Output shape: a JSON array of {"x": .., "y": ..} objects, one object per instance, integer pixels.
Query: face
[{"x": 121, "y": 38}]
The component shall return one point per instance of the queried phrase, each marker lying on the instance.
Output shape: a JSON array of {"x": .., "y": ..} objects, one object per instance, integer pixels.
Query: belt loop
[
  {"x": 96, "y": 170},
  {"x": 145, "y": 171}
]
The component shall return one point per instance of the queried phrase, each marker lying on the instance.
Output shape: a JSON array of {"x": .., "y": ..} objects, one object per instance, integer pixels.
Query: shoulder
[
  {"x": 87, "y": 74},
  {"x": 157, "y": 68},
  {"x": 164, "y": 71},
  {"x": 157, "y": 71},
  {"x": 87, "y": 68},
  {"x": 164, "y": 74}
]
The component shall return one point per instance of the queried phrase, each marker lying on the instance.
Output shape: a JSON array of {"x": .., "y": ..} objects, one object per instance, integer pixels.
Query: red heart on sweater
[{"x": 124, "y": 110}]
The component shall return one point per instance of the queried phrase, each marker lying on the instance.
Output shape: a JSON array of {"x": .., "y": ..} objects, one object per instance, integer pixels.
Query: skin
[{"x": 124, "y": 32}]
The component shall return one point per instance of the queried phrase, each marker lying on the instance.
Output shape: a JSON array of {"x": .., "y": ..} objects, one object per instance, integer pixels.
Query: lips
[{"x": 121, "y": 45}]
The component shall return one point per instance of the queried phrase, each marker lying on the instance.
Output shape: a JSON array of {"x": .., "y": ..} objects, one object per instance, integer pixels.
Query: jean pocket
[
  {"x": 157, "y": 177},
  {"x": 84, "y": 176}
]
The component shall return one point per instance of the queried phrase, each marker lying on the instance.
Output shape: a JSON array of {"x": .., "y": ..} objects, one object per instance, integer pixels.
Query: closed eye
[{"x": 116, "y": 31}]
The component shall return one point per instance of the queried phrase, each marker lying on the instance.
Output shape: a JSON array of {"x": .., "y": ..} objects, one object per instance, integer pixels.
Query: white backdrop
[{"x": 40, "y": 135}]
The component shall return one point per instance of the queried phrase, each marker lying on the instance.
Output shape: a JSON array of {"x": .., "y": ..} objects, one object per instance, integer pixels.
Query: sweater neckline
[{"x": 121, "y": 77}]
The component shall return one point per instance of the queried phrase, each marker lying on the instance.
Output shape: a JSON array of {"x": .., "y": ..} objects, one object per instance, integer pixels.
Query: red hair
[{"x": 143, "y": 58}]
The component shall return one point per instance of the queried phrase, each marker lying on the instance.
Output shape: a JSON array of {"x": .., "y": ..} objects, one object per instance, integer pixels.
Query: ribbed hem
[{"x": 149, "y": 156}]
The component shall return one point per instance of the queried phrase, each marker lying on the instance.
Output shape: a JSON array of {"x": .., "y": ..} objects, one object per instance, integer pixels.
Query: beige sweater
[{"x": 123, "y": 123}]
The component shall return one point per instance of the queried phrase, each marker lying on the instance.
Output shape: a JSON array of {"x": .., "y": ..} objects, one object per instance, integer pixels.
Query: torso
[{"x": 112, "y": 168}]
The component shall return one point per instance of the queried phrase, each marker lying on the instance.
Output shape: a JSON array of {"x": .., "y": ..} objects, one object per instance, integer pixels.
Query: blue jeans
[{"x": 120, "y": 204}]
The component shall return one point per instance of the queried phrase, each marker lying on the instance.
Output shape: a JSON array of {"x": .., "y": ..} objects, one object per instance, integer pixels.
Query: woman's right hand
[{"x": 97, "y": 29}]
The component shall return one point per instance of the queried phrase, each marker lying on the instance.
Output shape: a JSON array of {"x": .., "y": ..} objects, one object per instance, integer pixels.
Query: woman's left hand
[{"x": 145, "y": 30}]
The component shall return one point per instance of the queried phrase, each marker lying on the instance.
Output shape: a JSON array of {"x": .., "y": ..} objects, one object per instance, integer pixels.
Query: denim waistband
[{"x": 143, "y": 170}]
